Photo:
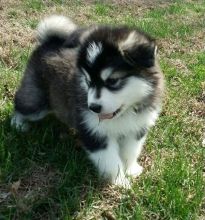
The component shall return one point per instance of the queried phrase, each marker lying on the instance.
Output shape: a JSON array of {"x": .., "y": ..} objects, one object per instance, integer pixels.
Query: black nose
[{"x": 95, "y": 108}]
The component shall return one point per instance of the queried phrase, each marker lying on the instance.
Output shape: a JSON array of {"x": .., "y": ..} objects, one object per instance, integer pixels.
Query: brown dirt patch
[
  {"x": 180, "y": 65},
  {"x": 198, "y": 105},
  {"x": 31, "y": 189},
  {"x": 103, "y": 207},
  {"x": 191, "y": 44},
  {"x": 141, "y": 3},
  {"x": 198, "y": 108}
]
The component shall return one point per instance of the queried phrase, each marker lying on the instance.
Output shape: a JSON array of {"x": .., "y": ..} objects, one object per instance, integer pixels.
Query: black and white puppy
[{"x": 103, "y": 81}]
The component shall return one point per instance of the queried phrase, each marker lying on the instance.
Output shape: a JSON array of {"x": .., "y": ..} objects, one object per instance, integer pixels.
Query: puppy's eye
[{"x": 112, "y": 82}]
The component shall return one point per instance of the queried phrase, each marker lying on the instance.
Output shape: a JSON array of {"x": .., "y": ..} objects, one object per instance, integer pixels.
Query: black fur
[
  {"x": 92, "y": 142},
  {"x": 140, "y": 134},
  {"x": 141, "y": 55},
  {"x": 73, "y": 40}
]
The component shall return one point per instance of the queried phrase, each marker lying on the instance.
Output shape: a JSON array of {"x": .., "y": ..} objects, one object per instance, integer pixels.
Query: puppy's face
[{"x": 111, "y": 74}]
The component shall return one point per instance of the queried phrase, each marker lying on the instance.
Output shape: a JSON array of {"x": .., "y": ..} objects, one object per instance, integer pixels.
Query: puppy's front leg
[
  {"x": 129, "y": 152},
  {"x": 109, "y": 163}
]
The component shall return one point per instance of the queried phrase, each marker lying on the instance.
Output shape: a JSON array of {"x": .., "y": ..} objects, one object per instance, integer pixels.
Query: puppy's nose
[{"x": 95, "y": 108}]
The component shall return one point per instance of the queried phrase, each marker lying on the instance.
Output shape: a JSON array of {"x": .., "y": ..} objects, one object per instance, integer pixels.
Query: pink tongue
[{"x": 105, "y": 116}]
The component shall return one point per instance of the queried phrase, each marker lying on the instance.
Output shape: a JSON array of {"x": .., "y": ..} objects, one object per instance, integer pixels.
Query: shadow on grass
[{"x": 44, "y": 173}]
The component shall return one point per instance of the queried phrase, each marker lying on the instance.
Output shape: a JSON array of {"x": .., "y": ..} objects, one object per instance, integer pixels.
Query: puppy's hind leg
[
  {"x": 31, "y": 103},
  {"x": 21, "y": 121}
]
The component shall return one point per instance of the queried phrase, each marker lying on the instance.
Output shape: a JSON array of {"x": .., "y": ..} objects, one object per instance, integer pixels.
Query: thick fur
[{"x": 103, "y": 81}]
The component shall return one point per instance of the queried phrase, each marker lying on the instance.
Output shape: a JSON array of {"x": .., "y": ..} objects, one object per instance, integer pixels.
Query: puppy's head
[{"x": 117, "y": 68}]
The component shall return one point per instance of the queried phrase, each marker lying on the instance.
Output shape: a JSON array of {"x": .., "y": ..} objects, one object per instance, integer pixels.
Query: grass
[{"x": 44, "y": 174}]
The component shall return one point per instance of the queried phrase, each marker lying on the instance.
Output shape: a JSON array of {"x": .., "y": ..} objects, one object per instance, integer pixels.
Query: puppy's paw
[
  {"x": 134, "y": 170},
  {"x": 122, "y": 181},
  {"x": 19, "y": 123}
]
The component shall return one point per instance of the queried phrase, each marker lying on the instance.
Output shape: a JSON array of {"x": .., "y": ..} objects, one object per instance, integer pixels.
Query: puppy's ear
[
  {"x": 138, "y": 51},
  {"x": 142, "y": 55}
]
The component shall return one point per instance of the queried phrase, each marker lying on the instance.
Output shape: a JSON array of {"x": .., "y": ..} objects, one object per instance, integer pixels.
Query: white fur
[
  {"x": 105, "y": 74},
  {"x": 155, "y": 50},
  {"x": 54, "y": 25},
  {"x": 109, "y": 164},
  {"x": 129, "y": 42},
  {"x": 117, "y": 75},
  {"x": 20, "y": 122},
  {"x": 127, "y": 124},
  {"x": 120, "y": 155},
  {"x": 137, "y": 89},
  {"x": 130, "y": 151},
  {"x": 92, "y": 97},
  {"x": 122, "y": 150},
  {"x": 93, "y": 50}
]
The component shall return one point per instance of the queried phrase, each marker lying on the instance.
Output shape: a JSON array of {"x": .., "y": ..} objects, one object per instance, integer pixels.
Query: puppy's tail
[{"x": 54, "y": 26}]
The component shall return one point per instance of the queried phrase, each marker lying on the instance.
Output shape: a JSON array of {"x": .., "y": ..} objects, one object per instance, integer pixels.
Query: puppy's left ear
[{"x": 139, "y": 52}]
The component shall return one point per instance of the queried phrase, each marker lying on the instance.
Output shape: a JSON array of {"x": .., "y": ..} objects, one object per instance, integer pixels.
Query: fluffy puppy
[{"x": 103, "y": 81}]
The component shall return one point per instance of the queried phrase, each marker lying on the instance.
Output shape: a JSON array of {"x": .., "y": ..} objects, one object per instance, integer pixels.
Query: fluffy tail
[{"x": 54, "y": 26}]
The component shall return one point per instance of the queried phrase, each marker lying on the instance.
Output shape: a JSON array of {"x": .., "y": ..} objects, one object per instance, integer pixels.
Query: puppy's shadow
[{"x": 50, "y": 158}]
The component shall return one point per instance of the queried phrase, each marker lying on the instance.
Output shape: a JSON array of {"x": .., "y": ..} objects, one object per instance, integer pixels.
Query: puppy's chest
[
  {"x": 125, "y": 126},
  {"x": 129, "y": 124}
]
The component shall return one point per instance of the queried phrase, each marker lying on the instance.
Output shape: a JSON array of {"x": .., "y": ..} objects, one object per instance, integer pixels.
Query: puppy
[{"x": 103, "y": 81}]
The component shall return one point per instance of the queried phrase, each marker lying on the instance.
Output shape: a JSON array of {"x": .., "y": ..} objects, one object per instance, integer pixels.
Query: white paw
[
  {"x": 19, "y": 123},
  {"x": 134, "y": 170},
  {"x": 122, "y": 181}
]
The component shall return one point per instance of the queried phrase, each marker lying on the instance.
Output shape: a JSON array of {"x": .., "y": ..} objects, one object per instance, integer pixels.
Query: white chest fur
[{"x": 126, "y": 124}]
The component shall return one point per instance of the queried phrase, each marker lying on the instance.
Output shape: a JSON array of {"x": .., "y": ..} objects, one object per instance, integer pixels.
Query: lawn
[{"x": 45, "y": 174}]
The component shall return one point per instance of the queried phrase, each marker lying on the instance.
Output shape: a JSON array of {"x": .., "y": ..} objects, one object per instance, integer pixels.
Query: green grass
[
  {"x": 57, "y": 179},
  {"x": 102, "y": 9},
  {"x": 34, "y": 5}
]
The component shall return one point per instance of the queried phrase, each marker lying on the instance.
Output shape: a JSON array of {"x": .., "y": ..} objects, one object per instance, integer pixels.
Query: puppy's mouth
[{"x": 110, "y": 115}]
